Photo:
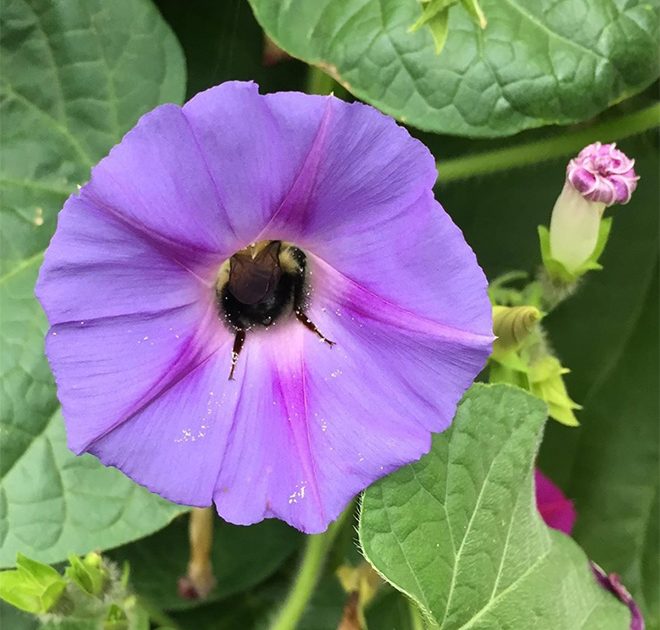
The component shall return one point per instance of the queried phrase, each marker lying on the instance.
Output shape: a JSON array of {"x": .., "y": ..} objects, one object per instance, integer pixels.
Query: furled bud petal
[
  {"x": 598, "y": 177},
  {"x": 512, "y": 325},
  {"x": 612, "y": 583},
  {"x": 602, "y": 173}
]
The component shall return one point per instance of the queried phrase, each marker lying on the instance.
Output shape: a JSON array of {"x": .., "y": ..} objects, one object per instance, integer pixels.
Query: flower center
[{"x": 259, "y": 285}]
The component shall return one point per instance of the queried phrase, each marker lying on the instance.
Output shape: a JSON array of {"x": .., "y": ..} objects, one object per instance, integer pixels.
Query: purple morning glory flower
[{"x": 293, "y": 243}]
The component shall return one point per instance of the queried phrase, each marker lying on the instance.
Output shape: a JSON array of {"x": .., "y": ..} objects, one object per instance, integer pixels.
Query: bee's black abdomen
[{"x": 284, "y": 297}]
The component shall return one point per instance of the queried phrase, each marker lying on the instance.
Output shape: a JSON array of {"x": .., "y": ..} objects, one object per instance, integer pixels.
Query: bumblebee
[{"x": 260, "y": 285}]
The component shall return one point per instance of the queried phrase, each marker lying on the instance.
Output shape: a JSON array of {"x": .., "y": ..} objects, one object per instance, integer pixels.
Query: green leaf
[
  {"x": 242, "y": 557},
  {"x": 537, "y": 62},
  {"x": 55, "y": 503},
  {"x": 15, "y": 619},
  {"x": 75, "y": 77},
  {"x": 459, "y": 532}
]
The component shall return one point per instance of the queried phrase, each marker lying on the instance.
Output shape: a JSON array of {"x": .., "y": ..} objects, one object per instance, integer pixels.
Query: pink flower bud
[
  {"x": 602, "y": 173},
  {"x": 598, "y": 177}
]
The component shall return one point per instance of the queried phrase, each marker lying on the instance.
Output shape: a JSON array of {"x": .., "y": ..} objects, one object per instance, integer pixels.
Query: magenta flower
[
  {"x": 556, "y": 510},
  {"x": 293, "y": 242}
]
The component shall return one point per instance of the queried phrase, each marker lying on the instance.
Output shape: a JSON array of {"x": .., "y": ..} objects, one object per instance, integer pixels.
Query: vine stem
[
  {"x": 318, "y": 82},
  {"x": 316, "y": 550},
  {"x": 496, "y": 160}
]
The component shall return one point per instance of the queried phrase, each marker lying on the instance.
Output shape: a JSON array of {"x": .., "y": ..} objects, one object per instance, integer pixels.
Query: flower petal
[
  {"x": 174, "y": 445},
  {"x": 157, "y": 180},
  {"x": 126, "y": 319},
  {"x": 254, "y": 154},
  {"x": 556, "y": 510},
  {"x": 352, "y": 412},
  {"x": 363, "y": 203}
]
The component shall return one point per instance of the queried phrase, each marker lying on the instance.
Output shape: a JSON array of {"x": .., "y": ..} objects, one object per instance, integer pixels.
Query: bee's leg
[
  {"x": 239, "y": 340},
  {"x": 307, "y": 323}
]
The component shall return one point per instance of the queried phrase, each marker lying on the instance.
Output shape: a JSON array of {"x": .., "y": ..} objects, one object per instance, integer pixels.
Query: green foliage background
[{"x": 75, "y": 75}]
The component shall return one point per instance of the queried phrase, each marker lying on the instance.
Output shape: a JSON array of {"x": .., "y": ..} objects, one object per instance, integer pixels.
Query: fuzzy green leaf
[
  {"x": 537, "y": 62},
  {"x": 76, "y": 76},
  {"x": 459, "y": 532}
]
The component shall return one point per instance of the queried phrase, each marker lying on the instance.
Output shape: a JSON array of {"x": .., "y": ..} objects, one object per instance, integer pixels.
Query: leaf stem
[
  {"x": 316, "y": 550},
  {"x": 496, "y": 160}
]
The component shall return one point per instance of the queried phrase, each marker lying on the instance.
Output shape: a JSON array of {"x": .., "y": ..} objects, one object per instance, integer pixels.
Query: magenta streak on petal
[
  {"x": 125, "y": 317},
  {"x": 204, "y": 160},
  {"x": 291, "y": 212},
  {"x": 292, "y": 389},
  {"x": 396, "y": 315},
  {"x": 161, "y": 243},
  {"x": 192, "y": 356}
]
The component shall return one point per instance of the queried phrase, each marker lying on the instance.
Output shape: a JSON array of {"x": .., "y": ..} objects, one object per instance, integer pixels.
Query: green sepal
[
  {"x": 116, "y": 619},
  {"x": 432, "y": 8},
  {"x": 476, "y": 12},
  {"x": 33, "y": 586},
  {"x": 439, "y": 26},
  {"x": 436, "y": 16},
  {"x": 557, "y": 271},
  {"x": 509, "y": 370},
  {"x": 603, "y": 236},
  {"x": 546, "y": 381},
  {"x": 88, "y": 573}
]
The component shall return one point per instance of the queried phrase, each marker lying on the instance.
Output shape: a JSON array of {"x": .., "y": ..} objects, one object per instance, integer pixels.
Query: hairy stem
[
  {"x": 316, "y": 550},
  {"x": 496, "y": 160}
]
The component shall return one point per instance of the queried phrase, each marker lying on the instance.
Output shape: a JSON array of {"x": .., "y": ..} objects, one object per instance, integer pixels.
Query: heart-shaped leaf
[
  {"x": 459, "y": 531},
  {"x": 537, "y": 61}
]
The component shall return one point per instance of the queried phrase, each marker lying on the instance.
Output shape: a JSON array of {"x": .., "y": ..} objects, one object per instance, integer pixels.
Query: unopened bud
[
  {"x": 512, "y": 325},
  {"x": 599, "y": 177}
]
